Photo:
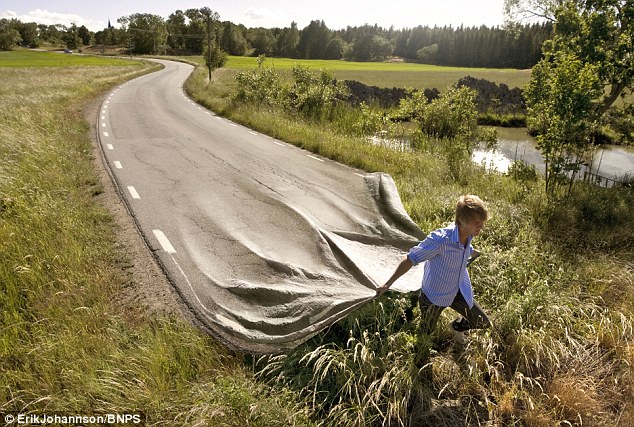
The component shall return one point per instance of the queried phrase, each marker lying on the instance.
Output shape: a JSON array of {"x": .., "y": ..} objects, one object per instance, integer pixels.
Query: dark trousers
[{"x": 472, "y": 318}]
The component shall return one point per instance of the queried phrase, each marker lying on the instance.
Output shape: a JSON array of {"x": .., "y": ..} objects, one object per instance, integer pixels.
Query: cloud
[
  {"x": 42, "y": 16},
  {"x": 258, "y": 13},
  {"x": 262, "y": 16}
]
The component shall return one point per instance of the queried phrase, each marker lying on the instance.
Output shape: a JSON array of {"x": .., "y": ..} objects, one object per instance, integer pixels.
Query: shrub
[
  {"x": 313, "y": 96},
  {"x": 259, "y": 85},
  {"x": 452, "y": 115}
]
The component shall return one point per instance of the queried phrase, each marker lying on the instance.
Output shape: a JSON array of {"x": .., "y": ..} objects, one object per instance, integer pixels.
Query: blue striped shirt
[{"x": 446, "y": 269}]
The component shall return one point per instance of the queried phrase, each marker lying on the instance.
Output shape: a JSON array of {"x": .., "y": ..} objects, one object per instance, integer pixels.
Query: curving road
[{"x": 266, "y": 243}]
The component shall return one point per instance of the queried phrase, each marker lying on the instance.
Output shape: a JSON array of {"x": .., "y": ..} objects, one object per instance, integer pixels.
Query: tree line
[{"x": 186, "y": 32}]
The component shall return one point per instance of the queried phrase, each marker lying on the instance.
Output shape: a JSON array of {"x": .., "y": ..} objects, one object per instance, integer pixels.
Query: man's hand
[
  {"x": 381, "y": 290},
  {"x": 402, "y": 268},
  {"x": 476, "y": 253}
]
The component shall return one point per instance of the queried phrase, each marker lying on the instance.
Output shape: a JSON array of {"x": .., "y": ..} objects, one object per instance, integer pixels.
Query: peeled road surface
[{"x": 266, "y": 243}]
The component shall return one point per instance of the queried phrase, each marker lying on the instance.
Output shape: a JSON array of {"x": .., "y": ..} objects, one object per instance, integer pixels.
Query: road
[{"x": 266, "y": 243}]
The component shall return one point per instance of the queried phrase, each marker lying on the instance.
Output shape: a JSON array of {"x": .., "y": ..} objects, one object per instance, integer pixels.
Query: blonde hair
[{"x": 471, "y": 207}]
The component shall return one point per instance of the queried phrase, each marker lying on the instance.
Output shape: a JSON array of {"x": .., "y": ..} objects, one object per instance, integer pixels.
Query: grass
[
  {"x": 385, "y": 74},
  {"x": 555, "y": 278},
  {"x": 69, "y": 344},
  {"x": 28, "y": 58}
]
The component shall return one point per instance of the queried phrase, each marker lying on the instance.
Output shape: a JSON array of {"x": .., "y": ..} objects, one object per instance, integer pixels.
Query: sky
[{"x": 337, "y": 14}]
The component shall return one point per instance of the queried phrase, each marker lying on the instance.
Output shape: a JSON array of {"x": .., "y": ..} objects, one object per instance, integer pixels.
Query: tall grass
[
  {"x": 556, "y": 280},
  {"x": 69, "y": 342}
]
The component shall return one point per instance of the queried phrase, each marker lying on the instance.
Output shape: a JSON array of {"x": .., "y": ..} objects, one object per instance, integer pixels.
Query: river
[{"x": 610, "y": 161}]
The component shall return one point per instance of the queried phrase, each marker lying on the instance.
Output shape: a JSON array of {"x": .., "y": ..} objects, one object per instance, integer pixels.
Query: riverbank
[{"x": 608, "y": 164}]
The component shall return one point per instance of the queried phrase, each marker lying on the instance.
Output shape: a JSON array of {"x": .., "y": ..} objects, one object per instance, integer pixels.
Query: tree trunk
[{"x": 615, "y": 91}]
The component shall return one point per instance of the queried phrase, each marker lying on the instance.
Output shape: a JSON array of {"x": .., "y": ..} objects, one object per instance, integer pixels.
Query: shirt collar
[{"x": 455, "y": 234}]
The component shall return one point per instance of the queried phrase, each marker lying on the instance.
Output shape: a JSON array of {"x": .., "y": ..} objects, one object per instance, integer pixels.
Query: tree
[
  {"x": 9, "y": 36},
  {"x": 71, "y": 38},
  {"x": 287, "y": 41},
  {"x": 520, "y": 10},
  {"x": 586, "y": 66},
  {"x": 147, "y": 33},
  {"x": 28, "y": 33},
  {"x": 214, "y": 58},
  {"x": 336, "y": 48},
  {"x": 261, "y": 40},
  {"x": 371, "y": 47},
  {"x": 560, "y": 100},
  {"x": 428, "y": 54},
  {"x": 110, "y": 36},
  {"x": 84, "y": 34},
  {"x": 598, "y": 32},
  {"x": 50, "y": 33},
  {"x": 313, "y": 40},
  {"x": 176, "y": 30},
  {"x": 232, "y": 40}
]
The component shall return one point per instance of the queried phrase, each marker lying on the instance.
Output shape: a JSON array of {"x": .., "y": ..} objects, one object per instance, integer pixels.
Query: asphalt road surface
[{"x": 266, "y": 243}]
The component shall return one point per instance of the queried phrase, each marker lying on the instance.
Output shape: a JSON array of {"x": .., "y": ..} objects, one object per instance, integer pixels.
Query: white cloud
[
  {"x": 258, "y": 13},
  {"x": 264, "y": 17},
  {"x": 42, "y": 16}
]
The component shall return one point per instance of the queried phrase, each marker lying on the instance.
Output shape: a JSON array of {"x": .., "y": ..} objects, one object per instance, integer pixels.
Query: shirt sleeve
[{"x": 426, "y": 250}]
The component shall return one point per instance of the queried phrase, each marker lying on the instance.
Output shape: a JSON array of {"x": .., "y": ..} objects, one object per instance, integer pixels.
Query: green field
[
  {"x": 31, "y": 58},
  {"x": 386, "y": 74}
]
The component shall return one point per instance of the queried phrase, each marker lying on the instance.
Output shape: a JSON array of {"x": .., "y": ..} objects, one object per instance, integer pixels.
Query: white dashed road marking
[
  {"x": 133, "y": 192},
  {"x": 163, "y": 240}
]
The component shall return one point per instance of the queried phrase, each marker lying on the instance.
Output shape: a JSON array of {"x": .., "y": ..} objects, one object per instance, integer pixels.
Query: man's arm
[
  {"x": 402, "y": 268},
  {"x": 476, "y": 253}
]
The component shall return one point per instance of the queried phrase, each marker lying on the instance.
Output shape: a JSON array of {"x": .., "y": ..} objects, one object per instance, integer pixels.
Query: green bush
[
  {"x": 259, "y": 85},
  {"x": 452, "y": 115},
  {"x": 313, "y": 96}
]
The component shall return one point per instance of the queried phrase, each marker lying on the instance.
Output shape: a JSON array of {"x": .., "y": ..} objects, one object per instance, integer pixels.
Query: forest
[{"x": 187, "y": 33}]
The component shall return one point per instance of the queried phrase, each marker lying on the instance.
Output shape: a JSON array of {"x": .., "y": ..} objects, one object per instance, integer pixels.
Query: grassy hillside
[{"x": 70, "y": 343}]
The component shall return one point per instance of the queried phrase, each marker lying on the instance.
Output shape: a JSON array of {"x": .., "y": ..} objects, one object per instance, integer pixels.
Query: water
[{"x": 610, "y": 161}]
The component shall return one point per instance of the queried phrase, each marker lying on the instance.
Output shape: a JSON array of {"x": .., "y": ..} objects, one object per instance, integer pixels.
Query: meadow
[
  {"x": 70, "y": 343},
  {"x": 381, "y": 74},
  {"x": 31, "y": 58}
]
